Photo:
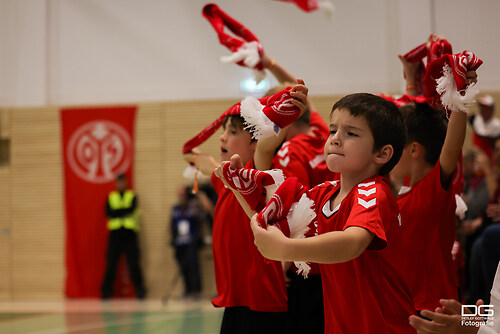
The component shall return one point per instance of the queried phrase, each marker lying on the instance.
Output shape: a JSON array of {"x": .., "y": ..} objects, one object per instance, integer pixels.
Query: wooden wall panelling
[
  {"x": 148, "y": 184},
  {"x": 5, "y": 216},
  {"x": 37, "y": 214},
  {"x": 5, "y": 233},
  {"x": 183, "y": 120},
  {"x": 5, "y": 115}
]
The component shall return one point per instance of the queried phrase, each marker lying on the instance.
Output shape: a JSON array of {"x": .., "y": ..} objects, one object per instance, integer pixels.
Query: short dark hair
[
  {"x": 120, "y": 176},
  {"x": 384, "y": 120},
  {"x": 304, "y": 119},
  {"x": 426, "y": 126},
  {"x": 239, "y": 122}
]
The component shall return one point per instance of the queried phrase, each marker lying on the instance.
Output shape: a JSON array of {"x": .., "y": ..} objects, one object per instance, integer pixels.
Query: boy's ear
[
  {"x": 416, "y": 150},
  {"x": 384, "y": 154}
]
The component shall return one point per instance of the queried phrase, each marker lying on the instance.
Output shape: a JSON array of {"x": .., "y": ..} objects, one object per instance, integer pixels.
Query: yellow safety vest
[{"x": 116, "y": 201}]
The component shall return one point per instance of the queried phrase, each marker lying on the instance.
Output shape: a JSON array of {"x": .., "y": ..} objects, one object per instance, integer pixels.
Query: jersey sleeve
[
  {"x": 217, "y": 184},
  {"x": 318, "y": 123},
  {"x": 373, "y": 211},
  {"x": 288, "y": 160}
]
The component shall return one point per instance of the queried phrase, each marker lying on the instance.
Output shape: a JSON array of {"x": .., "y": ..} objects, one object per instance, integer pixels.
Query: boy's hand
[
  {"x": 204, "y": 162},
  {"x": 446, "y": 319},
  {"x": 190, "y": 157},
  {"x": 453, "y": 307},
  {"x": 434, "y": 38},
  {"x": 271, "y": 242},
  {"x": 234, "y": 164},
  {"x": 219, "y": 172},
  {"x": 299, "y": 93},
  {"x": 470, "y": 77},
  {"x": 410, "y": 69}
]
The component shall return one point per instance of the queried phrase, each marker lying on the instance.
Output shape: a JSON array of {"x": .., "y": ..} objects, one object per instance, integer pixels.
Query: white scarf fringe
[
  {"x": 255, "y": 120},
  {"x": 452, "y": 99},
  {"x": 300, "y": 216}
]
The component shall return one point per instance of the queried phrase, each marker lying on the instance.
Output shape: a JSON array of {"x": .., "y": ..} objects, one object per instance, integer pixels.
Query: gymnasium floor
[{"x": 110, "y": 317}]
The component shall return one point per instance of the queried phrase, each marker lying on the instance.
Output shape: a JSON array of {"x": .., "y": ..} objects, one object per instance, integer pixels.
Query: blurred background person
[
  {"x": 123, "y": 224},
  {"x": 186, "y": 221},
  {"x": 485, "y": 125},
  {"x": 479, "y": 186},
  {"x": 485, "y": 253}
]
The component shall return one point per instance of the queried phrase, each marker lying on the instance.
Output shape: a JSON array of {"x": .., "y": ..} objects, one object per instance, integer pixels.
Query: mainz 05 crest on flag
[{"x": 98, "y": 143}]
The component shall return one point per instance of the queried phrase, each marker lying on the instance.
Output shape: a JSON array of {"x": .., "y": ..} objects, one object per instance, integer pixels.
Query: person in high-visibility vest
[{"x": 123, "y": 225}]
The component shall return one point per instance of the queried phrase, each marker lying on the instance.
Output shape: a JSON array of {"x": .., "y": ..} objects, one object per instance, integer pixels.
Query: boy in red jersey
[
  {"x": 357, "y": 217},
  {"x": 300, "y": 155},
  {"x": 428, "y": 204},
  {"x": 251, "y": 290}
]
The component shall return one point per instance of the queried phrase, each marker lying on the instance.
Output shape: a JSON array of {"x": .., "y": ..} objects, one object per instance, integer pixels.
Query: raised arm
[
  {"x": 279, "y": 72},
  {"x": 410, "y": 71},
  {"x": 266, "y": 147},
  {"x": 454, "y": 140},
  {"x": 204, "y": 162}
]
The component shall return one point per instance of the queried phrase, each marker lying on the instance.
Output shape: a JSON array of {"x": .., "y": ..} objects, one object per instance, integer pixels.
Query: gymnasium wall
[
  {"x": 32, "y": 198},
  {"x": 163, "y": 56},
  {"x": 59, "y": 52},
  {"x": 31, "y": 201}
]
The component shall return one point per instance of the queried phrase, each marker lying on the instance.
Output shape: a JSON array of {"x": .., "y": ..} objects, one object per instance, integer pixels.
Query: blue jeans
[{"x": 485, "y": 254}]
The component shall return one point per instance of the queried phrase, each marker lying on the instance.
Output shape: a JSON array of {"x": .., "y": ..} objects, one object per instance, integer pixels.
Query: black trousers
[
  {"x": 305, "y": 303},
  {"x": 242, "y": 320},
  {"x": 188, "y": 259},
  {"x": 123, "y": 241}
]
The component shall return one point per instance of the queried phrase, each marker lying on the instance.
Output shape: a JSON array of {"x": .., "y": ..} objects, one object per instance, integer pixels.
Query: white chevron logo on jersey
[
  {"x": 284, "y": 162},
  {"x": 367, "y": 204},
  {"x": 283, "y": 152},
  {"x": 367, "y": 192},
  {"x": 367, "y": 184}
]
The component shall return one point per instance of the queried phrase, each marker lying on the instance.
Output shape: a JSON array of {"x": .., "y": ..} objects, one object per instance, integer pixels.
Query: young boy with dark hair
[
  {"x": 252, "y": 291},
  {"x": 357, "y": 218},
  {"x": 427, "y": 202},
  {"x": 300, "y": 154}
]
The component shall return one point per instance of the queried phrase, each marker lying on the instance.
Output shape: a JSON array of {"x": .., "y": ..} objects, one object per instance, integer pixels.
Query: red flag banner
[{"x": 98, "y": 143}]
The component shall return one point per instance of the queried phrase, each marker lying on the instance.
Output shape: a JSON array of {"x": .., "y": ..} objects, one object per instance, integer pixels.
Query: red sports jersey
[
  {"x": 366, "y": 294},
  {"x": 242, "y": 276},
  {"x": 317, "y": 122},
  {"x": 428, "y": 216},
  {"x": 303, "y": 157}
]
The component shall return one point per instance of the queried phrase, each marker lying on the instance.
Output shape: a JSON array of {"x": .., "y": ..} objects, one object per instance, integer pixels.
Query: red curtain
[{"x": 98, "y": 143}]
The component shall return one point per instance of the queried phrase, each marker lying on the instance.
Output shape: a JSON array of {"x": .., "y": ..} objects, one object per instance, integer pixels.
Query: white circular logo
[{"x": 98, "y": 150}]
